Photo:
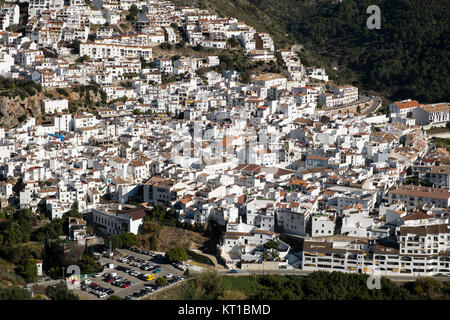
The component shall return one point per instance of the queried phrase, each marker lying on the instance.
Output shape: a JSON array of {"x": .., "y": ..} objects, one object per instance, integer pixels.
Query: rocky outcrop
[{"x": 13, "y": 110}]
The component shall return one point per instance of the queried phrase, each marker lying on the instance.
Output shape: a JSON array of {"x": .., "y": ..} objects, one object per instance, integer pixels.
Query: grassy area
[
  {"x": 247, "y": 284},
  {"x": 196, "y": 257},
  {"x": 35, "y": 248},
  {"x": 7, "y": 275},
  {"x": 175, "y": 292},
  {"x": 316, "y": 286}
]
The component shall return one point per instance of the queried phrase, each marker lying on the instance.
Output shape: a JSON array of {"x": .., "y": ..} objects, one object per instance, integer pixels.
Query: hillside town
[{"x": 287, "y": 155}]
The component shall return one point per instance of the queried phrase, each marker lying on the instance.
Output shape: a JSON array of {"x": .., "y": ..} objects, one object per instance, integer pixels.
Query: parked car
[
  {"x": 169, "y": 276},
  {"x": 233, "y": 271},
  {"x": 98, "y": 275},
  {"x": 87, "y": 281}
]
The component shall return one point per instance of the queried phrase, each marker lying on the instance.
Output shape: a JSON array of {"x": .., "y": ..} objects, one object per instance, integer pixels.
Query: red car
[
  {"x": 109, "y": 280},
  {"x": 125, "y": 285}
]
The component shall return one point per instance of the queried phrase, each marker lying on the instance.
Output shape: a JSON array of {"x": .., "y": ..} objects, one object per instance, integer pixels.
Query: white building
[
  {"x": 110, "y": 50},
  {"x": 53, "y": 106},
  {"x": 115, "y": 220}
]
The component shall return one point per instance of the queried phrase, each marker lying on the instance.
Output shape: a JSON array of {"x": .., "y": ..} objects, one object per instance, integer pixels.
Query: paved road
[
  {"x": 361, "y": 99},
  {"x": 375, "y": 105}
]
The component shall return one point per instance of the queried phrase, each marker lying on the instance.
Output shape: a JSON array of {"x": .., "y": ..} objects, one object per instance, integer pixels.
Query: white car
[
  {"x": 87, "y": 281},
  {"x": 98, "y": 275},
  {"x": 169, "y": 275}
]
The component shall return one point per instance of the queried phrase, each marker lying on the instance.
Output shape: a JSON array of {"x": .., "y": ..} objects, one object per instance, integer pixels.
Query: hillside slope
[{"x": 406, "y": 58}]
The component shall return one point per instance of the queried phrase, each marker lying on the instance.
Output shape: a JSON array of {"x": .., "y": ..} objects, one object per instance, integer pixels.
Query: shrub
[
  {"x": 176, "y": 254},
  {"x": 161, "y": 281}
]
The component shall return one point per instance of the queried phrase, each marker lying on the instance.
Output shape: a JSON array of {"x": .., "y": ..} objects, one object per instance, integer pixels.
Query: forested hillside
[{"x": 407, "y": 58}]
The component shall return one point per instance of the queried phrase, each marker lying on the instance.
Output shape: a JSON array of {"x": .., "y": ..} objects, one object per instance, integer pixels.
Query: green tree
[
  {"x": 60, "y": 292},
  {"x": 176, "y": 254},
  {"x": 82, "y": 59},
  {"x": 161, "y": 281},
  {"x": 152, "y": 243},
  {"x": 14, "y": 293},
  {"x": 133, "y": 13},
  {"x": 53, "y": 262},
  {"x": 233, "y": 42},
  {"x": 128, "y": 240},
  {"x": 73, "y": 212},
  {"x": 27, "y": 269},
  {"x": 88, "y": 264},
  {"x": 166, "y": 46},
  {"x": 53, "y": 230},
  {"x": 209, "y": 285},
  {"x": 116, "y": 241},
  {"x": 271, "y": 244},
  {"x": 198, "y": 47},
  {"x": 114, "y": 297}
]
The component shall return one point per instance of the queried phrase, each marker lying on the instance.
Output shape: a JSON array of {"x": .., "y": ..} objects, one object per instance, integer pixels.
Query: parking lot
[{"x": 127, "y": 278}]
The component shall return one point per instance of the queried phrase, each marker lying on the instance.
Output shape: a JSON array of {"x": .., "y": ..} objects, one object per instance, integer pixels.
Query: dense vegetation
[
  {"x": 316, "y": 286},
  {"x": 14, "y": 293},
  {"x": 176, "y": 254},
  {"x": 417, "y": 182},
  {"x": 60, "y": 292},
  {"x": 24, "y": 239},
  {"x": 406, "y": 58},
  {"x": 12, "y": 88},
  {"x": 59, "y": 254},
  {"x": 124, "y": 240}
]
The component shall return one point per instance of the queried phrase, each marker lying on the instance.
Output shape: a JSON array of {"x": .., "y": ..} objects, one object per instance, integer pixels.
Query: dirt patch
[{"x": 170, "y": 237}]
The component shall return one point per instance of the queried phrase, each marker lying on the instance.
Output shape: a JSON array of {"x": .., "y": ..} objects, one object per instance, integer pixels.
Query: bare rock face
[{"x": 12, "y": 109}]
